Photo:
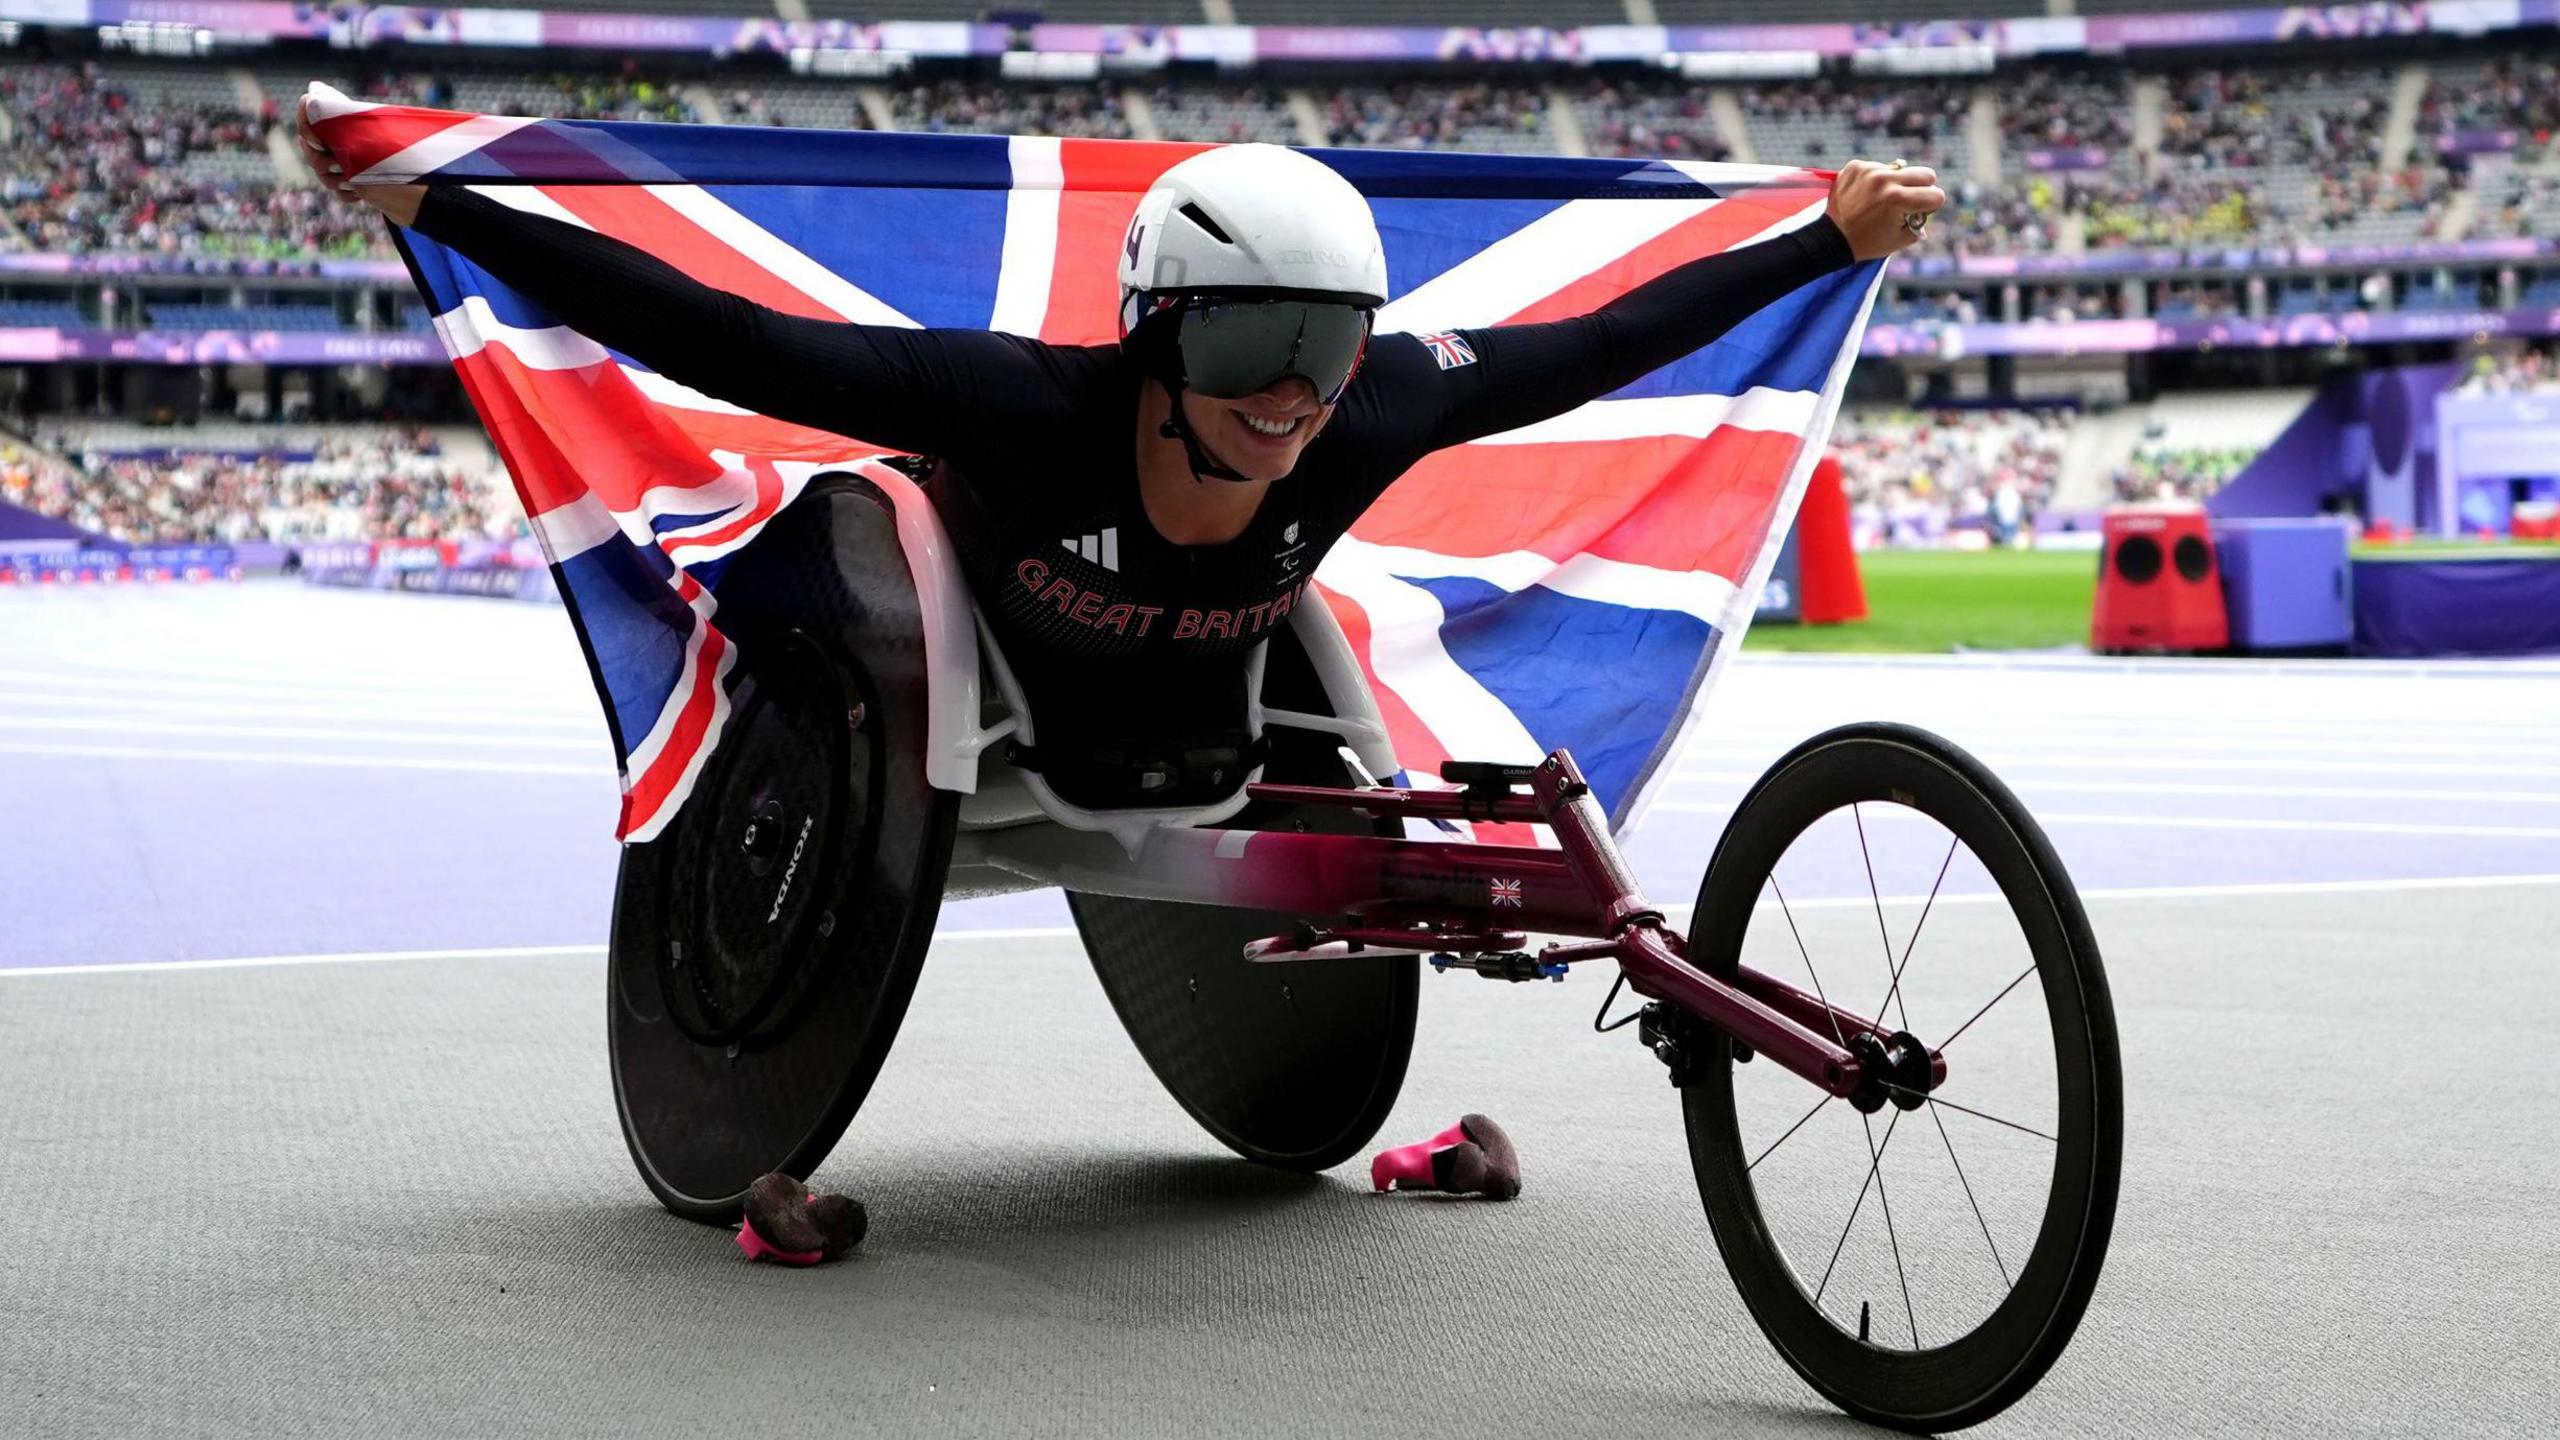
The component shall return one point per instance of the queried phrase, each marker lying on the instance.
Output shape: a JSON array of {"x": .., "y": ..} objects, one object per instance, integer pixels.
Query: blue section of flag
[
  {"x": 636, "y": 629},
  {"x": 1791, "y": 345},
  {"x": 949, "y": 282},
  {"x": 592, "y": 152},
  {"x": 1597, "y": 678},
  {"x": 1438, "y": 174},
  {"x": 1427, "y": 237}
]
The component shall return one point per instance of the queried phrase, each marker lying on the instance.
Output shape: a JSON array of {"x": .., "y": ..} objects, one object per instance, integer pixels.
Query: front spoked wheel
[{"x": 1922, "y": 1252}]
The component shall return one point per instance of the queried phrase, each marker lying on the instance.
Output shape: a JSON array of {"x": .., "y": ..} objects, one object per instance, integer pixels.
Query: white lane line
[
  {"x": 2211, "y": 822},
  {"x": 1941, "y": 708},
  {"x": 425, "y": 690},
  {"x": 2177, "y": 742},
  {"x": 2238, "y": 890},
  {"x": 494, "y": 952},
  {"x": 2272, "y": 792},
  {"x": 2102, "y": 761},
  {"x": 2195, "y": 666},
  {"x": 1062, "y": 932},
  {"x": 347, "y": 957},
  {"x": 482, "y": 718},
  {"x": 358, "y": 663},
  {"x": 299, "y": 757},
  {"x": 89, "y": 724}
]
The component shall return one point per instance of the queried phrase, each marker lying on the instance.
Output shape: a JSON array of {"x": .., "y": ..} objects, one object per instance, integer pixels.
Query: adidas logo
[{"x": 1102, "y": 549}]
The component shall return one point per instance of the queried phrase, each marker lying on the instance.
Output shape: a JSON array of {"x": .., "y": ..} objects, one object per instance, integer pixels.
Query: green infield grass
[
  {"x": 2464, "y": 549},
  {"x": 1932, "y": 601}
]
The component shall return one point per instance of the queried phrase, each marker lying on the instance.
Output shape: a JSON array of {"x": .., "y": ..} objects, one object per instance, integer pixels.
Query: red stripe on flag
[
  {"x": 1416, "y": 747},
  {"x": 1103, "y": 180},
  {"x": 1125, "y": 166},
  {"x": 768, "y": 500},
  {"x": 1714, "y": 508},
  {"x": 629, "y": 213},
  {"x": 1725, "y": 225},
  {"x": 1671, "y": 502},
  {"x": 625, "y": 445},
  {"x": 764, "y": 435},
  {"x": 365, "y": 138},
  {"x": 651, "y": 789},
  {"x": 544, "y": 477}
]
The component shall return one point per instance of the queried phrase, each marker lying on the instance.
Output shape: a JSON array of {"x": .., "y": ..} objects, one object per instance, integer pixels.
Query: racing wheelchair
[{"x": 1261, "y": 938}]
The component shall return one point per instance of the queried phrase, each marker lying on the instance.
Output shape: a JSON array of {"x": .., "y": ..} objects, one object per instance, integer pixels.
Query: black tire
[
  {"x": 1294, "y": 1066},
  {"x": 1988, "y": 1367},
  {"x": 765, "y": 945}
]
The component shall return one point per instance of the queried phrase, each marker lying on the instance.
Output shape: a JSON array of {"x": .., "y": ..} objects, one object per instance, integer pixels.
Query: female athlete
[{"x": 1134, "y": 519}]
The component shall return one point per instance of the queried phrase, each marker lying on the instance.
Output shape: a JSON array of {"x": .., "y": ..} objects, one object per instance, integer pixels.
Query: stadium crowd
[
  {"x": 375, "y": 488},
  {"x": 1914, "y": 478},
  {"x": 93, "y": 164},
  {"x": 2163, "y": 471},
  {"x": 102, "y": 159}
]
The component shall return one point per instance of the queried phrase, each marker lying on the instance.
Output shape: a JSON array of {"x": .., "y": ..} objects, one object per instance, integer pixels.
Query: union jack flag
[
  {"x": 1572, "y": 583},
  {"x": 1503, "y": 892},
  {"x": 1449, "y": 348}
]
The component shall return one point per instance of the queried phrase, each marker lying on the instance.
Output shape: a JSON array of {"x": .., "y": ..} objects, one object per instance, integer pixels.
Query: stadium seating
[
  {"x": 174, "y": 315},
  {"x": 1201, "y": 112},
  {"x": 58, "y": 314},
  {"x": 1491, "y": 117},
  {"x": 1628, "y": 116},
  {"x": 1140, "y": 12},
  {"x": 804, "y": 104},
  {"x": 1431, "y": 12},
  {"x": 1853, "y": 12},
  {"x": 360, "y": 483},
  {"x": 956, "y": 105},
  {"x": 1913, "y": 477}
]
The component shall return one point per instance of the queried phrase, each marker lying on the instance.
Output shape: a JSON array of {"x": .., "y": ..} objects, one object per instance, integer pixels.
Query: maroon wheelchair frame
[{"x": 1474, "y": 903}]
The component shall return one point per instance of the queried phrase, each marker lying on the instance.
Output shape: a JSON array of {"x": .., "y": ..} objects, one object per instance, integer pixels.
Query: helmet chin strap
[{"x": 1204, "y": 466}]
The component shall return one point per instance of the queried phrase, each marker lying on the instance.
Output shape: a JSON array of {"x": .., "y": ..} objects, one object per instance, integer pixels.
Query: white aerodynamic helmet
[{"x": 1248, "y": 220}]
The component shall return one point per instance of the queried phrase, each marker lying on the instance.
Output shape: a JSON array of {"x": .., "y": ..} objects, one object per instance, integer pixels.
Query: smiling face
[{"x": 1262, "y": 435}]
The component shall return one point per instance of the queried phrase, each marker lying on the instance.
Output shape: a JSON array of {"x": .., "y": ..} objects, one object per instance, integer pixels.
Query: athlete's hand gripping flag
[{"x": 1575, "y": 583}]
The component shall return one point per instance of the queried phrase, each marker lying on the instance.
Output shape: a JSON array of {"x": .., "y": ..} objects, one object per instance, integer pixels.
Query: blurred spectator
[
  {"x": 91, "y": 166},
  {"x": 2512, "y": 372},
  {"x": 1627, "y": 118},
  {"x": 1438, "y": 117},
  {"x": 1913, "y": 477},
  {"x": 978, "y": 107},
  {"x": 2162, "y": 471},
  {"x": 372, "y": 488}
]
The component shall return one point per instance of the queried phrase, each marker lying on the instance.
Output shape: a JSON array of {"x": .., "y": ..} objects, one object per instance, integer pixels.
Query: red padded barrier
[{"x": 2159, "y": 584}]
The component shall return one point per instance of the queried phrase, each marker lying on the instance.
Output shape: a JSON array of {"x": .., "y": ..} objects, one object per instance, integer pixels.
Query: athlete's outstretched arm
[
  {"x": 1526, "y": 373},
  {"x": 930, "y": 391}
]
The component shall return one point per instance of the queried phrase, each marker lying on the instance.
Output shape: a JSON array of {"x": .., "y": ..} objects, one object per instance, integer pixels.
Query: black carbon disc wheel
[
  {"x": 1921, "y": 1259},
  {"x": 1295, "y": 1065},
  {"x": 766, "y": 943}
]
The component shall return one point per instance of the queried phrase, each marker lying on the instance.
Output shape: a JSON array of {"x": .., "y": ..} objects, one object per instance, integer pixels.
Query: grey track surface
[
  {"x": 389, "y": 1199},
  {"x": 313, "y": 1193}
]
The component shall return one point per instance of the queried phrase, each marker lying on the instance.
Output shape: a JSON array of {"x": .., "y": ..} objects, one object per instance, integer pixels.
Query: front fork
[
  {"x": 1841, "y": 1052},
  {"x": 1757, "y": 1012}
]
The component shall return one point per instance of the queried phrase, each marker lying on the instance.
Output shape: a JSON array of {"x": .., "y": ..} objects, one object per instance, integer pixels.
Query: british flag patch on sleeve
[{"x": 1450, "y": 350}]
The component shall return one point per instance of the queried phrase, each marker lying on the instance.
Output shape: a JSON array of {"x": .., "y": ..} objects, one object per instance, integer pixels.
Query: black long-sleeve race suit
[{"x": 1039, "y": 484}]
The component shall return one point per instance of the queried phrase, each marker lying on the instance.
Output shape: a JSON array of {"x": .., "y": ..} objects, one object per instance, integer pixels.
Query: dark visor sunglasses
[{"x": 1232, "y": 348}]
